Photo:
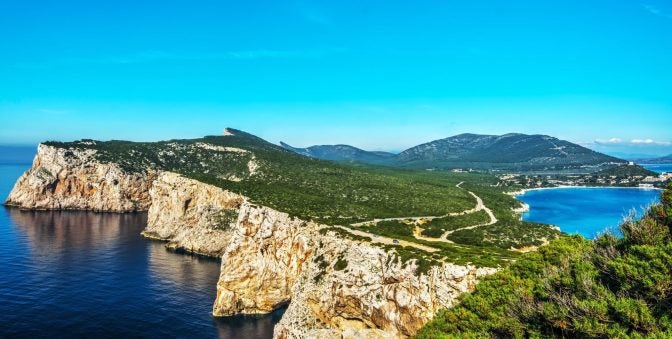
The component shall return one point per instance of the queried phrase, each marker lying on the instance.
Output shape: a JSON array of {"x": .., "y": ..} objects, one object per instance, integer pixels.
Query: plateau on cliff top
[{"x": 417, "y": 204}]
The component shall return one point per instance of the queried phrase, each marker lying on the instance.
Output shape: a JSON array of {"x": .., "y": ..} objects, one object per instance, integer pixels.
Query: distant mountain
[
  {"x": 342, "y": 153},
  {"x": 509, "y": 151},
  {"x": 662, "y": 160},
  {"x": 518, "y": 152}
]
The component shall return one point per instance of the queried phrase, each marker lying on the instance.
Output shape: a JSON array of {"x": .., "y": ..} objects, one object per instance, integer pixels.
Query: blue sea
[
  {"x": 79, "y": 274},
  {"x": 586, "y": 211},
  {"x": 660, "y": 168}
]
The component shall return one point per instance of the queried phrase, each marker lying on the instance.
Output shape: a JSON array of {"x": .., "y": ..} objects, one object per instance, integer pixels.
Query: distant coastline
[{"x": 525, "y": 190}]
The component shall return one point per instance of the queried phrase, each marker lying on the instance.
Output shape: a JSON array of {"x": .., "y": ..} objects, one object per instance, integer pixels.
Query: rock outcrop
[
  {"x": 190, "y": 215},
  {"x": 73, "y": 179},
  {"x": 265, "y": 257},
  {"x": 335, "y": 287}
]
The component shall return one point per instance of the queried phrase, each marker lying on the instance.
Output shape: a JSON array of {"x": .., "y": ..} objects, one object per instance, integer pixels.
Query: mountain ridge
[
  {"x": 510, "y": 151},
  {"x": 341, "y": 152}
]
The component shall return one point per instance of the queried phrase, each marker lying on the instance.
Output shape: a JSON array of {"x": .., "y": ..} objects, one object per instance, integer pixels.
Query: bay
[{"x": 586, "y": 211}]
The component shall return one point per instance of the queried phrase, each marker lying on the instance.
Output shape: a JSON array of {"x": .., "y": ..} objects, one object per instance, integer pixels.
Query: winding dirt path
[
  {"x": 478, "y": 207},
  {"x": 482, "y": 206},
  {"x": 417, "y": 231},
  {"x": 388, "y": 241}
]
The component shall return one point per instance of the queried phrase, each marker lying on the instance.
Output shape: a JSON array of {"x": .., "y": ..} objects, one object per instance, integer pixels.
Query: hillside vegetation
[
  {"x": 337, "y": 194},
  {"x": 343, "y": 153},
  {"x": 508, "y": 152},
  {"x": 302, "y": 186},
  {"x": 609, "y": 287}
]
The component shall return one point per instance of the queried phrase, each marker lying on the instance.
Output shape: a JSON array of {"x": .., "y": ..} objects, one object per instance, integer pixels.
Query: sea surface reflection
[{"x": 73, "y": 274}]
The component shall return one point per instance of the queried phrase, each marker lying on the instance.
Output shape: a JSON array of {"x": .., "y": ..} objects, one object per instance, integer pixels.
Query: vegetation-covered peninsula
[{"x": 438, "y": 216}]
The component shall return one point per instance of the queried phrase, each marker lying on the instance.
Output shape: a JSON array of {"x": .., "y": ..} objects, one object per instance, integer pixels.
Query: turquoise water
[
  {"x": 660, "y": 168},
  {"x": 586, "y": 211}
]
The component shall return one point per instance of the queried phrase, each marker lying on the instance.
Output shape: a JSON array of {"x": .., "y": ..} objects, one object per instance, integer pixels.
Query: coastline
[{"x": 525, "y": 190}]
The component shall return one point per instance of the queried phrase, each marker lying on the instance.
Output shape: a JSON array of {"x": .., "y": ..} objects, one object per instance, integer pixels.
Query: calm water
[
  {"x": 660, "y": 168},
  {"x": 587, "y": 211},
  {"x": 93, "y": 275}
]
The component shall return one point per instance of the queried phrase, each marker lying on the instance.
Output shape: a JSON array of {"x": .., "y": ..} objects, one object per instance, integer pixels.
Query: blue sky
[{"x": 381, "y": 75}]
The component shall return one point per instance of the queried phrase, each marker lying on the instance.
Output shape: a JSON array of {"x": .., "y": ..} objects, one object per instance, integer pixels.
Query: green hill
[
  {"x": 342, "y": 153},
  {"x": 509, "y": 152},
  {"x": 302, "y": 186},
  {"x": 340, "y": 194}
]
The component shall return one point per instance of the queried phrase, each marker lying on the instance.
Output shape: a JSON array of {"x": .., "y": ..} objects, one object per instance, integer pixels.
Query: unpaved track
[
  {"x": 388, "y": 241},
  {"x": 417, "y": 230},
  {"x": 477, "y": 208}
]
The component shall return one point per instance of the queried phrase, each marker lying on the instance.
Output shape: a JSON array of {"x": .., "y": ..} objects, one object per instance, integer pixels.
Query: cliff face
[
  {"x": 190, "y": 215},
  {"x": 335, "y": 287},
  {"x": 265, "y": 256},
  {"x": 74, "y": 179}
]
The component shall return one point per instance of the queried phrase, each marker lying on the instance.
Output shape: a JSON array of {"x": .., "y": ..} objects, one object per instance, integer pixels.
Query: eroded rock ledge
[
  {"x": 334, "y": 287},
  {"x": 190, "y": 215},
  {"x": 73, "y": 179}
]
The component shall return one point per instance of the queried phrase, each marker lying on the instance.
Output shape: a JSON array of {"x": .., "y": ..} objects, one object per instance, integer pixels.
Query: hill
[
  {"x": 359, "y": 197},
  {"x": 623, "y": 171},
  {"x": 508, "y": 152},
  {"x": 513, "y": 151},
  {"x": 342, "y": 153},
  {"x": 269, "y": 174}
]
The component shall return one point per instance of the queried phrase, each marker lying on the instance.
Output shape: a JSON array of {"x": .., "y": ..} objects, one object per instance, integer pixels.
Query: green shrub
[{"x": 609, "y": 287}]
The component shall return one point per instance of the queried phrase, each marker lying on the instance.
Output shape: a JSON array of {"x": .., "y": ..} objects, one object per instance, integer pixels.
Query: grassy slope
[
  {"x": 574, "y": 287},
  {"x": 304, "y": 187},
  {"x": 334, "y": 193}
]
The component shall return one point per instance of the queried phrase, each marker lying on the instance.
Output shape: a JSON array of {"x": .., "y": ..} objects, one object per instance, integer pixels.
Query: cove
[{"x": 587, "y": 211}]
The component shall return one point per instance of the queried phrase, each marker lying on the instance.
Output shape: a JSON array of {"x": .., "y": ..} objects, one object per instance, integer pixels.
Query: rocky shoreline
[{"x": 333, "y": 287}]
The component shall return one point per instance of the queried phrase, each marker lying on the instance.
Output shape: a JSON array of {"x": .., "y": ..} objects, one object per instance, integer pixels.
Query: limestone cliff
[
  {"x": 335, "y": 287},
  {"x": 73, "y": 179},
  {"x": 190, "y": 215}
]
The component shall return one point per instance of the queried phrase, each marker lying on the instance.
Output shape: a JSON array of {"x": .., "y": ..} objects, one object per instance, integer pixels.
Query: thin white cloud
[
  {"x": 608, "y": 141},
  {"x": 656, "y": 11},
  {"x": 649, "y": 142},
  {"x": 632, "y": 142}
]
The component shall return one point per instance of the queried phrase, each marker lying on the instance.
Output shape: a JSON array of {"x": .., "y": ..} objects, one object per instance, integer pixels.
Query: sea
[
  {"x": 586, "y": 211},
  {"x": 660, "y": 168},
  {"x": 82, "y": 274}
]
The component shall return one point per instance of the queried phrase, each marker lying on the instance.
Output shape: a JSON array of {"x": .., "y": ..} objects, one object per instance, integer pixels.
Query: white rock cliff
[
  {"x": 273, "y": 260},
  {"x": 190, "y": 215},
  {"x": 73, "y": 179},
  {"x": 334, "y": 287}
]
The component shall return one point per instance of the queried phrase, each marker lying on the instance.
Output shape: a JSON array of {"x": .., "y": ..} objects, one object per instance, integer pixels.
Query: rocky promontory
[
  {"x": 333, "y": 286},
  {"x": 62, "y": 179}
]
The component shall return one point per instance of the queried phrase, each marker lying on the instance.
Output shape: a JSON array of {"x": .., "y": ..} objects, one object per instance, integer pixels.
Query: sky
[{"x": 380, "y": 75}]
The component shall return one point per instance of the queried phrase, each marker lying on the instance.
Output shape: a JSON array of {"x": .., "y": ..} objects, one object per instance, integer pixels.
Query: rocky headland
[{"x": 332, "y": 286}]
